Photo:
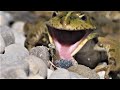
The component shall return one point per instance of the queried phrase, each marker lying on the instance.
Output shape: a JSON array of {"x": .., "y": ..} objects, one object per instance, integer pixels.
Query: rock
[
  {"x": 64, "y": 74},
  {"x": 7, "y": 35},
  {"x": 36, "y": 66},
  {"x": 16, "y": 50},
  {"x": 76, "y": 76},
  {"x": 2, "y": 45},
  {"x": 25, "y": 16},
  {"x": 35, "y": 77},
  {"x": 17, "y": 29},
  {"x": 88, "y": 56},
  {"x": 49, "y": 72},
  {"x": 84, "y": 71},
  {"x": 15, "y": 73},
  {"x": 41, "y": 52},
  {"x": 60, "y": 74},
  {"x": 5, "y": 18},
  {"x": 13, "y": 67},
  {"x": 18, "y": 26},
  {"x": 63, "y": 63}
]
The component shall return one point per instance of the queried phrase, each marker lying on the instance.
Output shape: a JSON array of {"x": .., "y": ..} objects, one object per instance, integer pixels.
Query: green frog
[
  {"x": 110, "y": 44},
  {"x": 68, "y": 31}
]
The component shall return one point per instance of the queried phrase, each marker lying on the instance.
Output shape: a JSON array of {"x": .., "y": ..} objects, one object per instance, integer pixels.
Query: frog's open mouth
[{"x": 68, "y": 43}]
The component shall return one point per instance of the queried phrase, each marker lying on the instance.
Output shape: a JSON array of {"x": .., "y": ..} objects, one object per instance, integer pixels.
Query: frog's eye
[
  {"x": 84, "y": 18},
  {"x": 54, "y": 14}
]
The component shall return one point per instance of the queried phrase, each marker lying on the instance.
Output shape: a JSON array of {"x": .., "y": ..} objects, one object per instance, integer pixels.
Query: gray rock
[
  {"x": 2, "y": 45},
  {"x": 14, "y": 73},
  {"x": 36, "y": 66},
  {"x": 84, "y": 71},
  {"x": 17, "y": 29},
  {"x": 16, "y": 50},
  {"x": 76, "y": 76},
  {"x": 35, "y": 77},
  {"x": 7, "y": 35},
  {"x": 23, "y": 16},
  {"x": 64, "y": 74},
  {"x": 5, "y": 18},
  {"x": 40, "y": 52},
  {"x": 60, "y": 74},
  {"x": 13, "y": 67}
]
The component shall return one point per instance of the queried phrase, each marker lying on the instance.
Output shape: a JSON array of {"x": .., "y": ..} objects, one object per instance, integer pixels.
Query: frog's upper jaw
[
  {"x": 71, "y": 21},
  {"x": 68, "y": 43}
]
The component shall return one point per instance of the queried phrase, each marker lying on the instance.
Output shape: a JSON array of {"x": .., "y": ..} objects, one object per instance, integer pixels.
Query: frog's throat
[{"x": 80, "y": 43}]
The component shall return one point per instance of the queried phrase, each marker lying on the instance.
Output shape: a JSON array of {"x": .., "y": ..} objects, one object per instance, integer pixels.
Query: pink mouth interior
[{"x": 65, "y": 51}]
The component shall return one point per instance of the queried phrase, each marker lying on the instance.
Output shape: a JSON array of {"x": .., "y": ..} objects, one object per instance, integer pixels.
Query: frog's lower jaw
[{"x": 67, "y": 49}]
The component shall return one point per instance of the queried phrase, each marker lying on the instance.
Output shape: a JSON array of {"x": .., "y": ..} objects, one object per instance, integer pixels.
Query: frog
[
  {"x": 110, "y": 44},
  {"x": 67, "y": 32}
]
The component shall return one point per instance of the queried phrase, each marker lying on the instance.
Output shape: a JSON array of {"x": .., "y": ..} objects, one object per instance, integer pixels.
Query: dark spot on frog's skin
[{"x": 111, "y": 50}]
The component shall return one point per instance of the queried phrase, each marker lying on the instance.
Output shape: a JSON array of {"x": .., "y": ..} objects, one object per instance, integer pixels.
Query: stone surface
[
  {"x": 49, "y": 72},
  {"x": 35, "y": 77},
  {"x": 40, "y": 52},
  {"x": 84, "y": 71},
  {"x": 17, "y": 29},
  {"x": 63, "y": 63},
  {"x": 16, "y": 51},
  {"x": 2, "y": 45},
  {"x": 76, "y": 76},
  {"x": 5, "y": 18},
  {"x": 60, "y": 74},
  {"x": 64, "y": 74},
  {"x": 36, "y": 66},
  {"x": 12, "y": 67},
  {"x": 7, "y": 35}
]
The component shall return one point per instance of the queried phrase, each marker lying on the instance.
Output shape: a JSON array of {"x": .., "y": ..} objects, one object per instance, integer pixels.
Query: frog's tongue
[{"x": 65, "y": 51}]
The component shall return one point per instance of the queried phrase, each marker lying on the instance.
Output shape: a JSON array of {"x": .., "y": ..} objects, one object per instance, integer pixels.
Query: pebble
[
  {"x": 76, "y": 76},
  {"x": 60, "y": 74},
  {"x": 35, "y": 77},
  {"x": 17, "y": 29},
  {"x": 7, "y": 35},
  {"x": 84, "y": 71},
  {"x": 64, "y": 74},
  {"x": 41, "y": 52},
  {"x": 5, "y": 18},
  {"x": 63, "y": 63},
  {"x": 2, "y": 45},
  {"x": 13, "y": 67},
  {"x": 49, "y": 72},
  {"x": 17, "y": 51},
  {"x": 36, "y": 66}
]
